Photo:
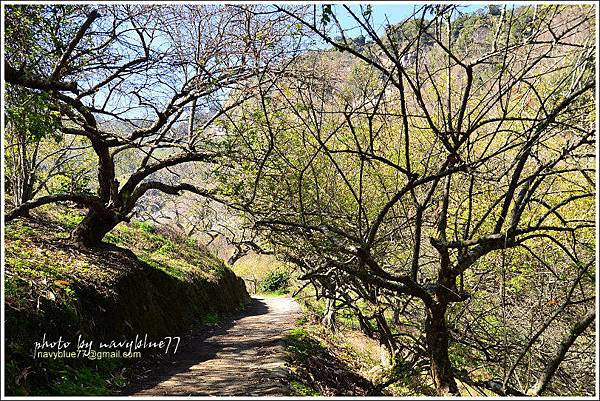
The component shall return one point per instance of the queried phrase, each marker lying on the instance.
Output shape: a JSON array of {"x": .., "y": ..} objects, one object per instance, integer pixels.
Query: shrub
[
  {"x": 275, "y": 281},
  {"x": 147, "y": 227}
]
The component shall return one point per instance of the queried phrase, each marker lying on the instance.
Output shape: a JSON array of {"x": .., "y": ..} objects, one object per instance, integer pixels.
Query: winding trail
[{"x": 242, "y": 356}]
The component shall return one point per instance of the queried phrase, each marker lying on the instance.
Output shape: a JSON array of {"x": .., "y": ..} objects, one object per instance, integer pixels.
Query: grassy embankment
[
  {"x": 345, "y": 362},
  {"x": 56, "y": 289}
]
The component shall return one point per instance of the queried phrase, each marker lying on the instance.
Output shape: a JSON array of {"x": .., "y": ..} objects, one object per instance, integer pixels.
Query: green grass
[
  {"x": 19, "y": 230},
  {"x": 33, "y": 261},
  {"x": 355, "y": 349},
  {"x": 32, "y": 270},
  {"x": 80, "y": 381},
  {"x": 210, "y": 319},
  {"x": 298, "y": 389},
  {"x": 274, "y": 294},
  {"x": 299, "y": 346},
  {"x": 321, "y": 366},
  {"x": 178, "y": 257},
  {"x": 300, "y": 343},
  {"x": 44, "y": 277},
  {"x": 61, "y": 377},
  {"x": 68, "y": 218},
  {"x": 146, "y": 227}
]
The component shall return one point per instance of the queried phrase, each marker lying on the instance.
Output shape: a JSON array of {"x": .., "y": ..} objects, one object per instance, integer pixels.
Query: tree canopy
[{"x": 436, "y": 180}]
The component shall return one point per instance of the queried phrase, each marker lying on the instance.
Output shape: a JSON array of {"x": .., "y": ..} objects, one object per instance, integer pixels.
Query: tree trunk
[
  {"x": 396, "y": 315},
  {"x": 238, "y": 253},
  {"x": 386, "y": 357},
  {"x": 26, "y": 191},
  {"x": 437, "y": 337},
  {"x": 92, "y": 229},
  {"x": 22, "y": 178},
  {"x": 386, "y": 341},
  {"x": 328, "y": 319}
]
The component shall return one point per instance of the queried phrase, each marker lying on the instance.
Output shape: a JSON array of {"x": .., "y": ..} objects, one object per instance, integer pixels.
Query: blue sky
[{"x": 382, "y": 13}]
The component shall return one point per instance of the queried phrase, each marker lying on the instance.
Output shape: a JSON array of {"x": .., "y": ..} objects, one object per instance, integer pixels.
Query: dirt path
[{"x": 242, "y": 356}]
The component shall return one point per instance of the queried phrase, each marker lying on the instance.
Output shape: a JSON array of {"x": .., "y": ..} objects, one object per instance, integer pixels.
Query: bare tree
[
  {"x": 128, "y": 76},
  {"x": 445, "y": 161}
]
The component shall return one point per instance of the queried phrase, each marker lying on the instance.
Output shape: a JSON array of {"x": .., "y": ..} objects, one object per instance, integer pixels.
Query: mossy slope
[{"x": 54, "y": 288}]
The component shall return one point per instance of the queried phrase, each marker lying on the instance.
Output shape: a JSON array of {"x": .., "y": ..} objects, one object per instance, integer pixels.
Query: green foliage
[
  {"x": 36, "y": 36},
  {"x": 178, "y": 258},
  {"x": 211, "y": 319},
  {"x": 68, "y": 218},
  {"x": 73, "y": 179},
  {"x": 166, "y": 248},
  {"x": 300, "y": 343},
  {"x": 18, "y": 230},
  {"x": 73, "y": 382},
  {"x": 326, "y": 13},
  {"x": 299, "y": 346},
  {"x": 324, "y": 363},
  {"x": 147, "y": 227},
  {"x": 330, "y": 181},
  {"x": 299, "y": 389},
  {"x": 73, "y": 379},
  {"x": 257, "y": 267},
  {"x": 28, "y": 112},
  {"x": 329, "y": 173},
  {"x": 461, "y": 355},
  {"x": 276, "y": 281}
]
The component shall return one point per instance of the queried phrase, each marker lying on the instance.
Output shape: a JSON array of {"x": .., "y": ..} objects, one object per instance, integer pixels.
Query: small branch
[{"x": 74, "y": 42}]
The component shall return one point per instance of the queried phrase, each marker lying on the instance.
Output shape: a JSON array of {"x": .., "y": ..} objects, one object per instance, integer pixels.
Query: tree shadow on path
[{"x": 240, "y": 356}]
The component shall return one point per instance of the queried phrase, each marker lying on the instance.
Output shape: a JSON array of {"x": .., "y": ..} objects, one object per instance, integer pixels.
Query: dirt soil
[{"x": 243, "y": 355}]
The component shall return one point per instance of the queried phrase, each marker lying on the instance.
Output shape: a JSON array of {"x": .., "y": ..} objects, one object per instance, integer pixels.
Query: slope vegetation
[{"x": 143, "y": 282}]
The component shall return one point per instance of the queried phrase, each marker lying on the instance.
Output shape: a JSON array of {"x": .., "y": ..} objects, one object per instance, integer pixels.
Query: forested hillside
[{"x": 423, "y": 184}]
